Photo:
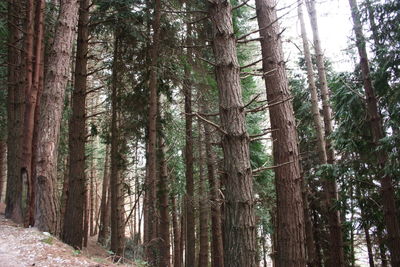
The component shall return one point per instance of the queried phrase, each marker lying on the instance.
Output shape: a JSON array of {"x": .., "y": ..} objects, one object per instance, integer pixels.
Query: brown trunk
[
  {"x": 163, "y": 193},
  {"x": 375, "y": 120},
  {"x": 203, "y": 203},
  {"x": 217, "y": 254},
  {"x": 15, "y": 114},
  {"x": 369, "y": 246},
  {"x": 86, "y": 217},
  {"x": 190, "y": 251},
  {"x": 336, "y": 257},
  {"x": 382, "y": 249},
  {"x": 335, "y": 228},
  {"x": 150, "y": 208},
  {"x": 2, "y": 154},
  {"x": 116, "y": 179},
  {"x": 92, "y": 197},
  {"x": 104, "y": 231},
  {"x": 177, "y": 237},
  {"x": 50, "y": 117},
  {"x": 290, "y": 230},
  {"x": 73, "y": 221},
  {"x": 239, "y": 224}
]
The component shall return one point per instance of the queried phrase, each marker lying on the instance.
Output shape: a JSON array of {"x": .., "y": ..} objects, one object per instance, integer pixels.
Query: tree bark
[
  {"x": 116, "y": 179},
  {"x": 375, "y": 120},
  {"x": 163, "y": 192},
  {"x": 104, "y": 231},
  {"x": 176, "y": 231},
  {"x": 335, "y": 228},
  {"x": 290, "y": 228},
  {"x": 239, "y": 225},
  {"x": 336, "y": 257},
  {"x": 151, "y": 183},
  {"x": 2, "y": 154},
  {"x": 15, "y": 114},
  {"x": 50, "y": 117},
  {"x": 73, "y": 221},
  {"x": 203, "y": 202}
]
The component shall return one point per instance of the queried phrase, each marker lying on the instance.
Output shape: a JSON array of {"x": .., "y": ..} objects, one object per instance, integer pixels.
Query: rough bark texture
[
  {"x": 290, "y": 228},
  {"x": 104, "y": 231},
  {"x": 217, "y": 253},
  {"x": 50, "y": 117},
  {"x": 330, "y": 186},
  {"x": 73, "y": 221},
  {"x": 177, "y": 236},
  {"x": 2, "y": 154},
  {"x": 190, "y": 251},
  {"x": 163, "y": 191},
  {"x": 15, "y": 114},
  {"x": 151, "y": 218},
  {"x": 116, "y": 179},
  {"x": 239, "y": 225},
  {"x": 375, "y": 120},
  {"x": 203, "y": 202}
]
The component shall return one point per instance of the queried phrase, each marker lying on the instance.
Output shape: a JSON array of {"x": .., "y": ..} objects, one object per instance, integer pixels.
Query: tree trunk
[
  {"x": 190, "y": 250},
  {"x": 73, "y": 221},
  {"x": 177, "y": 237},
  {"x": 104, "y": 231},
  {"x": 2, "y": 154},
  {"x": 116, "y": 179},
  {"x": 239, "y": 225},
  {"x": 163, "y": 193},
  {"x": 335, "y": 228},
  {"x": 151, "y": 197},
  {"x": 290, "y": 214},
  {"x": 375, "y": 120},
  {"x": 50, "y": 117},
  {"x": 336, "y": 257},
  {"x": 369, "y": 246},
  {"x": 382, "y": 249},
  {"x": 15, "y": 114},
  {"x": 203, "y": 202}
]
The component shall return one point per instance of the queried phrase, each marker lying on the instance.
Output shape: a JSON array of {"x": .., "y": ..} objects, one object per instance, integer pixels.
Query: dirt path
[{"x": 22, "y": 247}]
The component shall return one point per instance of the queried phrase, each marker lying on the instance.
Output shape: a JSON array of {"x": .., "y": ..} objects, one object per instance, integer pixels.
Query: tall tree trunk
[
  {"x": 116, "y": 179},
  {"x": 375, "y": 120},
  {"x": 73, "y": 221},
  {"x": 336, "y": 257},
  {"x": 50, "y": 117},
  {"x": 176, "y": 231},
  {"x": 335, "y": 228},
  {"x": 151, "y": 197},
  {"x": 2, "y": 173},
  {"x": 104, "y": 231},
  {"x": 239, "y": 225},
  {"x": 217, "y": 253},
  {"x": 163, "y": 193},
  {"x": 203, "y": 202},
  {"x": 290, "y": 214},
  {"x": 190, "y": 251},
  {"x": 369, "y": 246},
  {"x": 15, "y": 114},
  {"x": 382, "y": 248}
]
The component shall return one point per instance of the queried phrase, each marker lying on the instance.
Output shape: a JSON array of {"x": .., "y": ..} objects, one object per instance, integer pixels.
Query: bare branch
[
  {"x": 271, "y": 167},
  {"x": 266, "y": 106},
  {"x": 240, "y": 5},
  {"x": 209, "y": 122}
]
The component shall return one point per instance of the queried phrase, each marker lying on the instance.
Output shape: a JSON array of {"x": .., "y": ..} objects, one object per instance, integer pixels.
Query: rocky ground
[{"x": 22, "y": 247}]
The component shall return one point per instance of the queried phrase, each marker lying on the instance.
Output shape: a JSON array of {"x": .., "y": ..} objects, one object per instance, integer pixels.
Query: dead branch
[
  {"x": 271, "y": 167},
  {"x": 266, "y": 106},
  {"x": 209, "y": 122},
  {"x": 240, "y": 5},
  {"x": 252, "y": 100},
  {"x": 249, "y": 40},
  {"x": 251, "y": 64}
]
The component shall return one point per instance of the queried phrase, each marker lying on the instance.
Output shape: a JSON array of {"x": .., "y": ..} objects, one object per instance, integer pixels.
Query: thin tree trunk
[
  {"x": 335, "y": 228},
  {"x": 116, "y": 179},
  {"x": 203, "y": 202},
  {"x": 375, "y": 120},
  {"x": 190, "y": 251},
  {"x": 239, "y": 225},
  {"x": 163, "y": 193},
  {"x": 50, "y": 117},
  {"x": 369, "y": 246},
  {"x": 104, "y": 231},
  {"x": 290, "y": 214},
  {"x": 336, "y": 257},
  {"x": 2, "y": 154},
  {"x": 217, "y": 253},
  {"x": 382, "y": 248},
  {"x": 176, "y": 231},
  {"x": 73, "y": 230}
]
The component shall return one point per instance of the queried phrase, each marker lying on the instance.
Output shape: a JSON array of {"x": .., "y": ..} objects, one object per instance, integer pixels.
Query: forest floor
[{"x": 22, "y": 247}]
